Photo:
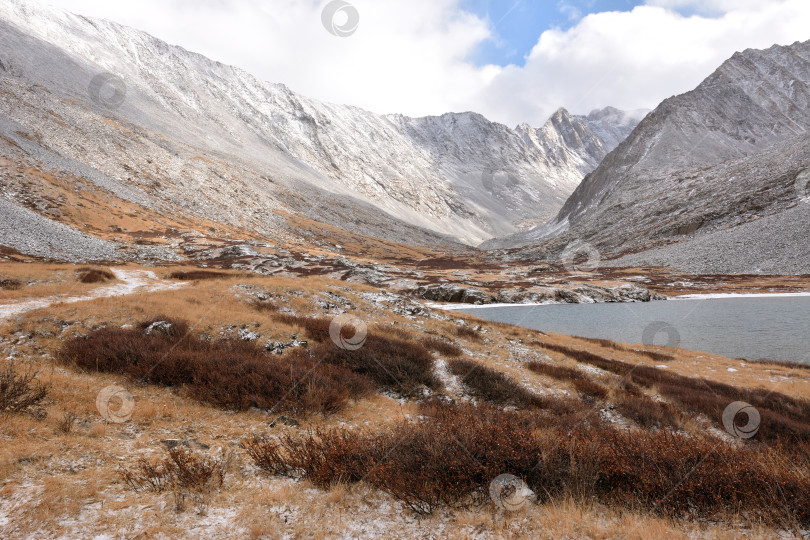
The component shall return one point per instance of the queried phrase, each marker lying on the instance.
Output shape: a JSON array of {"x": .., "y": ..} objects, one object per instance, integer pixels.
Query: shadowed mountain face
[
  {"x": 728, "y": 153},
  {"x": 136, "y": 115}
]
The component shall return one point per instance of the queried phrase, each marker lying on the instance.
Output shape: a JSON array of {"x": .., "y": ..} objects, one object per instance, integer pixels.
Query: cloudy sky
[{"x": 512, "y": 60}]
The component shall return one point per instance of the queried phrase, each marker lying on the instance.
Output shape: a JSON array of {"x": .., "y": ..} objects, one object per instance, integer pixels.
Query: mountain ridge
[
  {"x": 727, "y": 153},
  {"x": 458, "y": 174}
]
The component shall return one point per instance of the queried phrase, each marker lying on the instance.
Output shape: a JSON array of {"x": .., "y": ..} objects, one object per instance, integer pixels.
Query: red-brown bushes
[
  {"x": 599, "y": 341},
  {"x": 783, "y": 417},
  {"x": 267, "y": 306},
  {"x": 777, "y": 363},
  {"x": 496, "y": 388},
  {"x": 684, "y": 476},
  {"x": 183, "y": 472},
  {"x": 451, "y": 456},
  {"x": 653, "y": 355},
  {"x": 10, "y": 284},
  {"x": 94, "y": 275},
  {"x": 577, "y": 377},
  {"x": 464, "y": 331},
  {"x": 657, "y": 356},
  {"x": 591, "y": 388},
  {"x": 647, "y": 412},
  {"x": 181, "y": 468},
  {"x": 441, "y": 346},
  {"x": 448, "y": 460},
  {"x": 196, "y": 275},
  {"x": 20, "y": 393},
  {"x": 227, "y": 372},
  {"x": 394, "y": 364},
  {"x": 561, "y": 373},
  {"x": 492, "y": 386}
]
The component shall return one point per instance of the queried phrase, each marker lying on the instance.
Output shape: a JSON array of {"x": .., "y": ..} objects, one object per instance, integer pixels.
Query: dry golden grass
[
  {"x": 38, "y": 280},
  {"x": 54, "y": 483}
]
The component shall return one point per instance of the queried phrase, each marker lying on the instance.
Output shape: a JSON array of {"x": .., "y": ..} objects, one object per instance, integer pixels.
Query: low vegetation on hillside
[{"x": 250, "y": 397}]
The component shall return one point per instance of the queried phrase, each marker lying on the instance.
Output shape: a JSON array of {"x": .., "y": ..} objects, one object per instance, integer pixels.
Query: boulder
[{"x": 448, "y": 292}]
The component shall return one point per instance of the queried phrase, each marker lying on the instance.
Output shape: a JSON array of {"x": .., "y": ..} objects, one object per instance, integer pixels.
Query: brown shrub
[
  {"x": 647, "y": 412},
  {"x": 630, "y": 388},
  {"x": 441, "y": 346},
  {"x": 777, "y": 363},
  {"x": 449, "y": 460},
  {"x": 577, "y": 377},
  {"x": 653, "y": 355},
  {"x": 94, "y": 275},
  {"x": 10, "y": 284},
  {"x": 196, "y": 275},
  {"x": 683, "y": 476},
  {"x": 496, "y": 388},
  {"x": 181, "y": 467},
  {"x": 267, "y": 306},
  {"x": 657, "y": 356},
  {"x": 227, "y": 372},
  {"x": 20, "y": 393},
  {"x": 602, "y": 342},
  {"x": 183, "y": 472},
  {"x": 450, "y": 457},
  {"x": 560, "y": 373},
  {"x": 393, "y": 330},
  {"x": 396, "y": 365},
  {"x": 464, "y": 331},
  {"x": 591, "y": 388},
  {"x": 65, "y": 425},
  {"x": 783, "y": 417}
]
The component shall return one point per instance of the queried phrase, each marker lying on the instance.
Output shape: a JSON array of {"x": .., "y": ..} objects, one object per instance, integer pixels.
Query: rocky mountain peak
[{"x": 699, "y": 171}]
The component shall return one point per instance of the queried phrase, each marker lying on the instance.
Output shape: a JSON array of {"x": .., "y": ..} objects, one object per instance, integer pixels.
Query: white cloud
[
  {"x": 709, "y": 6},
  {"x": 569, "y": 10},
  {"x": 411, "y": 56}
]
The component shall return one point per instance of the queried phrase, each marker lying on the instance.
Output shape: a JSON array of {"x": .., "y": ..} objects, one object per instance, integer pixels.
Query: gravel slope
[
  {"x": 776, "y": 244},
  {"x": 30, "y": 233}
]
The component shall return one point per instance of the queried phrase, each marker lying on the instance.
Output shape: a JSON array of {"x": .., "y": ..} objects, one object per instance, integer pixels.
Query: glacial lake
[{"x": 773, "y": 327}]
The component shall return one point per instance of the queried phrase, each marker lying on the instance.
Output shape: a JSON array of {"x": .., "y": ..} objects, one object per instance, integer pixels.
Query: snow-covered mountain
[
  {"x": 581, "y": 142},
  {"x": 217, "y": 142},
  {"x": 715, "y": 174}
]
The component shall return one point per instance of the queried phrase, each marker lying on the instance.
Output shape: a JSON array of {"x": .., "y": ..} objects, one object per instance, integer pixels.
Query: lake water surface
[{"x": 773, "y": 327}]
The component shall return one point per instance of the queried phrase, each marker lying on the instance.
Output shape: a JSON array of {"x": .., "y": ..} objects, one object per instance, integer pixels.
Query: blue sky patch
[{"x": 518, "y": 24}]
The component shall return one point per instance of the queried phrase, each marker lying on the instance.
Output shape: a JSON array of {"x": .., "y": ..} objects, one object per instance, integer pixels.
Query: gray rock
[
  {"x": 448, "y": 292},
  {"x": 161, "y": 327},
  {"x": 286, "y": 420},
  {"x": 174, "y": 443}
]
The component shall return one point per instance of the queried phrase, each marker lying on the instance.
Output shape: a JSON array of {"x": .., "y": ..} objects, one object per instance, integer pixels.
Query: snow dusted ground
[
  {"x": 456, "y": 307},
  {"x": 132, "y": 281}
]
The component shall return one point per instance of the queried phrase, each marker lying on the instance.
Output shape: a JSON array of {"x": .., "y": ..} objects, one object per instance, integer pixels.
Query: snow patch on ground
[
  {"x": 450, "y": 381},
  {"x": 453, "y": 307},
  {"x": 737, "y": 295}
]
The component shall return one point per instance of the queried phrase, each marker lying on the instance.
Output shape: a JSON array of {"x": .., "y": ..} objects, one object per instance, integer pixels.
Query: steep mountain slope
[
  {"x": 730, "y": 152},
  {"x": 177, "y": 128}
]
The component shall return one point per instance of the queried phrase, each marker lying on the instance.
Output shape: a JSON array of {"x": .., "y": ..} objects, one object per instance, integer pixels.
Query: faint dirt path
[{"x": 132, "y": 281}]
